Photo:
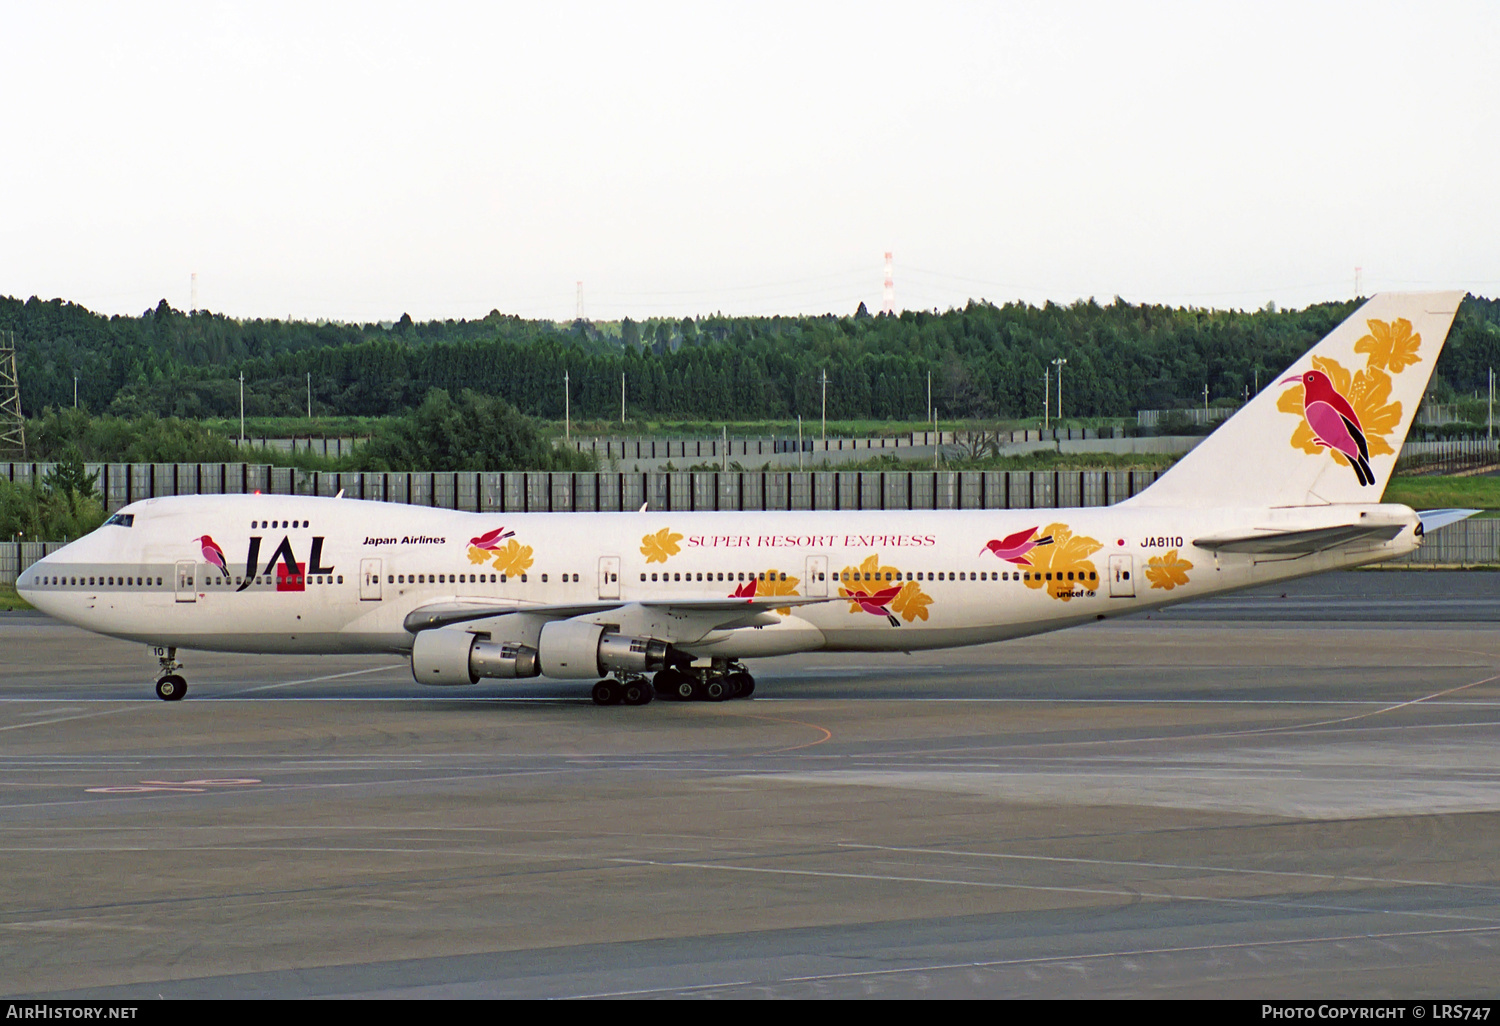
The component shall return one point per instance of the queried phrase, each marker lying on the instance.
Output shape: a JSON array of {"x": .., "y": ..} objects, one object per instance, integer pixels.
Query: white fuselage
[{"x": 320, "y": 575}]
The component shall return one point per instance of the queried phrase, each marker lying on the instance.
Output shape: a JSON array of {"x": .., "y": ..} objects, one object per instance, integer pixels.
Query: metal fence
[
  {"x": 315, "y": 444},
  {"x": 17, "y": 556},
  {"x": 1449, "y": 456},
  {"x": 709, "y": 447},
  {"x": 531, "y": 492},
  {"x": 1196, "y": 416},
  {"x": 1467, "y": 543}
]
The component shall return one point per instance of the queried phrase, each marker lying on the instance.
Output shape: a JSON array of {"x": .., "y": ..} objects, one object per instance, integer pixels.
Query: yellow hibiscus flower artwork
[
  {"x": 1168, "y": 570},
  {"x": 912, "y": 603},
  {"x": 513, "y": 559},
  {"x": 1064, "y": 566},
  {"x": 659, "y": 547},
  {"x": 775, "y": 585},
  {"x": 1390, "y": 346}
]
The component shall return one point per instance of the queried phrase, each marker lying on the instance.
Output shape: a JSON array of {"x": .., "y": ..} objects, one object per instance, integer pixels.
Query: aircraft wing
[
  {"x": 1302, "y": 542},
  {"x": 719, "y": 613}
]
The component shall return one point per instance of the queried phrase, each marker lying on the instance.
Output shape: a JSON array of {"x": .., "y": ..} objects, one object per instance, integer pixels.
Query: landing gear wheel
[
  {"x": 171, "y": 688},
  {"x": 715, "y": 689},
  {"x": 667, "y": 681},
  {"x": 741, "y": 684},
  {"x": 607, "y": 692},
  {"x": 636, "y": 692}
]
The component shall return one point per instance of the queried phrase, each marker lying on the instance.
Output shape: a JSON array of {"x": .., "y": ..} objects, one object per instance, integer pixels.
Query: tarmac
[{"x": 1292, "y": 793}]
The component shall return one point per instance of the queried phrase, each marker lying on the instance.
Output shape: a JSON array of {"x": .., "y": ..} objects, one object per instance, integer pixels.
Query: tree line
[
  {"x": 982, "y": 361},
  {"x": 471, "y": 431}
]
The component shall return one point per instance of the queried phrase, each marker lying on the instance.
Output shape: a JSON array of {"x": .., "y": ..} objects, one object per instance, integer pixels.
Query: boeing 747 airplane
[{"x": 671, "y": 604}]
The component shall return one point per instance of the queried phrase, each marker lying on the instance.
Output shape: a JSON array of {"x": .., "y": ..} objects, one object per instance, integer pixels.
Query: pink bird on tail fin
[{"x": 1334, "y": 423}]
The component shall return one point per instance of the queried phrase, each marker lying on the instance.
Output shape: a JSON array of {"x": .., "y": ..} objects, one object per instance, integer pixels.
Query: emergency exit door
[
  {"x": 369, "y": 580},
  {"x": 1121, "y": 580},
  {"x": 187, "y": 581},
  {"x": 609, "y": 577},
  {"x": 816, "y": 584}
]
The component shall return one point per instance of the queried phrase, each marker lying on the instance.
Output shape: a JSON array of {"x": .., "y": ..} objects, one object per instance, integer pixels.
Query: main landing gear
[
  {"x": 633, "y": 689},
  {"x": 717, "y": 683},
  {"x": 170, "y": 685}
]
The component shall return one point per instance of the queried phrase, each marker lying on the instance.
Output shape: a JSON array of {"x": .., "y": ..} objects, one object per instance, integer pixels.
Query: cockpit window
[{"x": 121, "y": 520}]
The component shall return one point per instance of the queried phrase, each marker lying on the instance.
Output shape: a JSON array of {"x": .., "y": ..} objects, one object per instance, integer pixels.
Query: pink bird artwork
[
  {"x": 491, "y": 539},
  {"x": 1334, "y": 423},
  {"x": 746, "y": 590},
  {"x": 1014, "y": 547},
  {"x": 876, "y": 603},
  {"x": 213, "y": 554}
]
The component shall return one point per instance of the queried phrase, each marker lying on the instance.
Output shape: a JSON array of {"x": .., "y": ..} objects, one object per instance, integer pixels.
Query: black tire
[
  {"x": 742, "y": 684},
  {"x": 665, "y": 684},
  {"x": 715, "y": 689},
  {"x": 171, "y": 688},
  {"x": 686, "y": 688},
  {"x": 607, "y": 692},
  {"x": 636, "y": 692},
  {"x": 748, "y": 688}
]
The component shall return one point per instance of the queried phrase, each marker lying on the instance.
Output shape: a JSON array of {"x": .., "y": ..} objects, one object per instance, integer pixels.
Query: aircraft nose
[{"x": 28, "y": 580}]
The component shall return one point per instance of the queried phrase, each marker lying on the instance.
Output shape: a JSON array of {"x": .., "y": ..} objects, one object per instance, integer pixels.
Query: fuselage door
[
  {"x": 1120, "y": 583},
  {"x": 369, "y": 580},
  {"x": 816, "y": 585},
  {"x": 609, "y": 577},
  {"x": 187, "y": 581}
]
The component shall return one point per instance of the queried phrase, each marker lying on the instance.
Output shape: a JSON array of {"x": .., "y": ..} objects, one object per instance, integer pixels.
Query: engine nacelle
[
  {"x": 570, "y": 648},
  {"x": 578, "y": 649},
  {"x": 447, "y": 657},
  {"x": 633, "y": 655}
]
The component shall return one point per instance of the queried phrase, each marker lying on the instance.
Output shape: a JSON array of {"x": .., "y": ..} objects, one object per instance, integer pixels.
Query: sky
[{"x": 359, "y": 161}]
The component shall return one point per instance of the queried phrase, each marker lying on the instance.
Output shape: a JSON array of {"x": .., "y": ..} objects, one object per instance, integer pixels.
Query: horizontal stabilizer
[
  {"x": 1285, "y": 543},
  {"x": 1433, "y": 519}
]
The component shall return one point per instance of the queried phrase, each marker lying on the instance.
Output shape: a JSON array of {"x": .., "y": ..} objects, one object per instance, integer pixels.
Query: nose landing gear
[{"x": 170, "y": 685}]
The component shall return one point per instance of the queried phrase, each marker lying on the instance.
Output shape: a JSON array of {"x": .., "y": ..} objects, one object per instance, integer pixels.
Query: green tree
[
  {"x": 478, "y": 432},
  {"x": 69, "y": 482}
]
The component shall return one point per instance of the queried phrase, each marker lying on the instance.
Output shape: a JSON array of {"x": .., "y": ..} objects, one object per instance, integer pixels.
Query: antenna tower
[
  {"x": 193, "y": 295},
  {"x": 888, "y": 293},
  {"x": 12, "y": 423},
  {"x": 1359, "y": 288},
  {"x": 580, "y": 301}
]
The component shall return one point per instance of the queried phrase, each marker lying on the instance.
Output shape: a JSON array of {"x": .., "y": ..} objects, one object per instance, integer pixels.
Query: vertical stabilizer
[{"x": 1329, "y": 429}]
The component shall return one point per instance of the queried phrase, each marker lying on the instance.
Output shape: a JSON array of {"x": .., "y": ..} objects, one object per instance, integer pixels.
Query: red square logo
[{"x": 288, "y": 581}]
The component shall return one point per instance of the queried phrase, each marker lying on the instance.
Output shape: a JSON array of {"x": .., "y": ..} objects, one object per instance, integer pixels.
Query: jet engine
[
  {"x": 578, "y": 649},
  {"x": 566, "y": 649},
  {"x": 448, "y": 657}
]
